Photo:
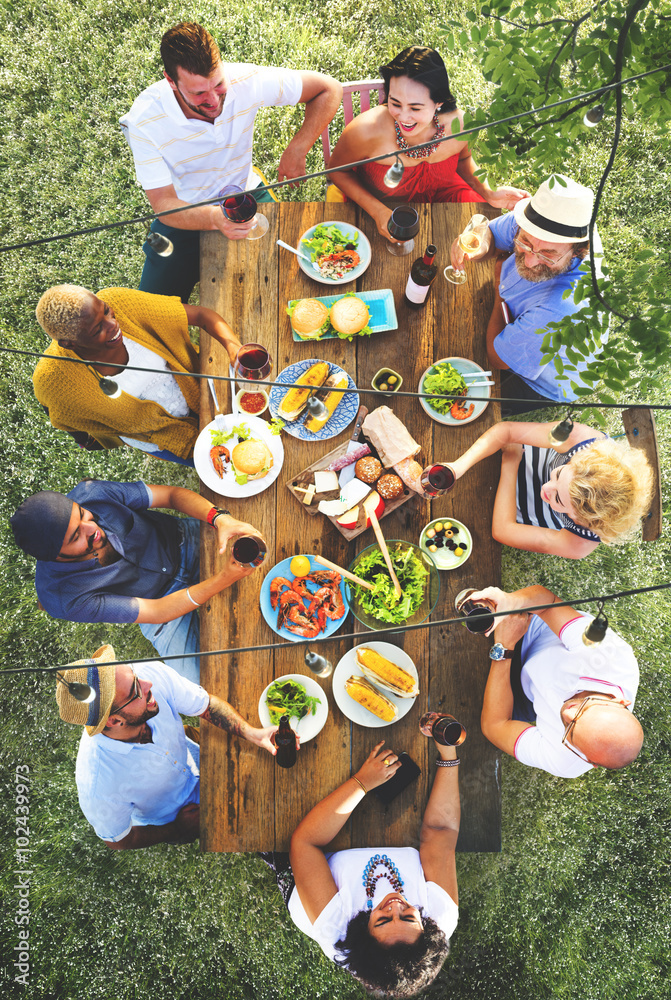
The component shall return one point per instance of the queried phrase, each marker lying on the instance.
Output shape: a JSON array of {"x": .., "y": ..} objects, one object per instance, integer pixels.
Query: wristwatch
[
  {"x": 214, "y": 514},
  {"x": 499, "y": 652}
]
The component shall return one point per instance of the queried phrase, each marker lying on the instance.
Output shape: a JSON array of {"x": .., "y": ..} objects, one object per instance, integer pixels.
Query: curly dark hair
[
  {"x": 400, "y": 971},
  {"x": 425, "y": 66}
]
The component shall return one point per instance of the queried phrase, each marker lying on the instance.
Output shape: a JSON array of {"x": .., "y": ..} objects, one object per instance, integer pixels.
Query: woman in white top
[{"x": 386, "y": 915}]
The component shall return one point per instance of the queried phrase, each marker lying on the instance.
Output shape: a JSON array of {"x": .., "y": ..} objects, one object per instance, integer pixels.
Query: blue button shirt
[
  {"x": 122, "y": 785},
  {"x": 532, "y": 306},
  {"x": 148, "y": 543}
]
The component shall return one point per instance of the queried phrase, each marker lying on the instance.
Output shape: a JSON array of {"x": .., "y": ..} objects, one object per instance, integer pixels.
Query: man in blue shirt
[
  {"x": 137, "y": 772},
  {"x": 105, "y": 555},
  {"x": 545, "y": 238}
]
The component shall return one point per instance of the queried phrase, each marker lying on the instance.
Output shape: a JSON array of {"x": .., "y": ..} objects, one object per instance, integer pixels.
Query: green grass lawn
[{"x": 576, "y": 905}]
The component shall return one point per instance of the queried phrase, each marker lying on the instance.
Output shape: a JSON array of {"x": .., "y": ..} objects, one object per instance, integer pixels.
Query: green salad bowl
[{"x": 423, "y": 602}]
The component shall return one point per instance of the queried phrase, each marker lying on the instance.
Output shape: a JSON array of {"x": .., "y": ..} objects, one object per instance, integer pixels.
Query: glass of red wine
[
  {"x": 478, "y": 615},
  {"x": 252, "y": 363},
  {"x": 249, "y": 550},
  {"x": 403, "y": 225},
  {"x": 240, "y": 207},
  {"x": 437, "y": 479}
]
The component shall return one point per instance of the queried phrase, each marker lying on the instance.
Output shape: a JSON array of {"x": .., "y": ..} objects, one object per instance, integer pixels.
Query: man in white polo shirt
[
  {"x": 137, "y": 773},
  {"x": 191, "y": 136},
  {"x": 556, "y": 703}
]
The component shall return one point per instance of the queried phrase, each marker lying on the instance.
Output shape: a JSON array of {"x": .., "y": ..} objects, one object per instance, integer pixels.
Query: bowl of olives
[
  {"x": 447, "y": 541},
  {"x": 387, "y": 380}
]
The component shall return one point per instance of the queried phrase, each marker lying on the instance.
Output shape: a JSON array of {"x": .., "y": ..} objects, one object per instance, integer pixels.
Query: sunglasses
[
  {"x": 136, "y": 692},
  {"x": 582, "y": 708}
]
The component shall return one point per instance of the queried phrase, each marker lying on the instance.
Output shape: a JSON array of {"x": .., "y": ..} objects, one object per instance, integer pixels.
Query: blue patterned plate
[{"x": 344, "y": 414}]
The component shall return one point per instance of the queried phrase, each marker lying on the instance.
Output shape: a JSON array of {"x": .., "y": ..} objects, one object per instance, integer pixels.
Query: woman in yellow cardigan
[{"x": 121, "y": 326}]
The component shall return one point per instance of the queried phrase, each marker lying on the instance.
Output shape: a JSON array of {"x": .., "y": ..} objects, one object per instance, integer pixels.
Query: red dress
[{"x": 426, "y": 182}]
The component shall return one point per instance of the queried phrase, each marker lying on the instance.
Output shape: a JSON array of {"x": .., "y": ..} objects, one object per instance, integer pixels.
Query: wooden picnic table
[{"x": 247, "y": 801}]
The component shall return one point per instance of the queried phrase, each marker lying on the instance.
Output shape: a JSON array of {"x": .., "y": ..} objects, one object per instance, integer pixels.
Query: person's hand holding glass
[
  {"x": 468, "y": 245},
  {"x": 240, "y": 208}
]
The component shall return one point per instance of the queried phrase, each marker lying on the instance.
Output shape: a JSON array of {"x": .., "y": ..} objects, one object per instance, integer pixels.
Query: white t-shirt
[
  {"x": 347, "y": 870},
  {"x": 160, "y": 386},
  {"x": 200, "y": 158},
  {"x": 557, "y": 667}
]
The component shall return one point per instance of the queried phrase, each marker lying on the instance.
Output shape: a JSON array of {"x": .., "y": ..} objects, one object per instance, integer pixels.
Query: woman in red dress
[{"x": 419, "y": 108}]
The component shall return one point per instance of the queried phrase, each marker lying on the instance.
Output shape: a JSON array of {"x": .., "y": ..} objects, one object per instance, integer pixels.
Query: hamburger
[
  {"x": 309, "y": 318},
  {"x": 349, "y": 316},
  {"x": 250, "y": 460}
]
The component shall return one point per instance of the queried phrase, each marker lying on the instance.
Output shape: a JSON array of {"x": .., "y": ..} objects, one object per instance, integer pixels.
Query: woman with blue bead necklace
[{"x": 384, "y": 914}]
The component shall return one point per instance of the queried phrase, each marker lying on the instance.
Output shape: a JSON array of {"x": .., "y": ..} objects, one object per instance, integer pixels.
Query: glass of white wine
[{"x": 470, "y": 242}]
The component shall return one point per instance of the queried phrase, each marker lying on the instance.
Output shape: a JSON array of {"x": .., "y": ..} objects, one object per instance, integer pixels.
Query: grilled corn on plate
[
  {"x": 388, "y": 675},
  {"x": 331, "y": 400},
  {"x": 369, "y": 697},
  {"x": 295, "y": 400}
]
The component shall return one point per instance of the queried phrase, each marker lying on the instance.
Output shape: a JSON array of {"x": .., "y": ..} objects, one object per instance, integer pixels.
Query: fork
[
  {"x": 219, "y": 418},
  {"x": 286, "y": 246}
]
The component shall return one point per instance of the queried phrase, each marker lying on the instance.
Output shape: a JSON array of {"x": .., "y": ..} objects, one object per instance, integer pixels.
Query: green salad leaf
[
  {"x": 241, "y": 432},
  {"x": 329, "y": 239},
  {"x": 289, "y": 698},
  {"x": 443, "y": 378},
  {"x": 382, "y": 602},
  {"x": 276, "y": 425}
]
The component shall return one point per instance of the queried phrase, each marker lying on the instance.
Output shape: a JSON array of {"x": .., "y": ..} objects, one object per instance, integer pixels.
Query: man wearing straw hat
[
  {"x": 105, "y": 555},
  {"x": 137, "y": 772},
  {"x": 545, "y": 242}
]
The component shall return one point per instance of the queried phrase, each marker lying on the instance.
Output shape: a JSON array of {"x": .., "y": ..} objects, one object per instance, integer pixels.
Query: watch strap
[
  {"x": 214, "y": 513},
  {"x": 506, "y": 654}
]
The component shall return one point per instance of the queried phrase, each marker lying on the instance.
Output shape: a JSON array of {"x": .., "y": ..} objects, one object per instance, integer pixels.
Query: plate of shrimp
[
  {"x": 213, "y": 462},
  {"x": 303, "y": 607}
]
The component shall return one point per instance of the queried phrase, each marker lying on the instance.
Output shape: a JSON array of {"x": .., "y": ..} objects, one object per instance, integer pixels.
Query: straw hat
[
  {"x": 558, "y": 214},
  {"x": 101, "y": 679}
]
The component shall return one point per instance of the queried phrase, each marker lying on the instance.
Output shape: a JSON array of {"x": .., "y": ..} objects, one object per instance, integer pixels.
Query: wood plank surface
[{"x": 247, "y": 802}]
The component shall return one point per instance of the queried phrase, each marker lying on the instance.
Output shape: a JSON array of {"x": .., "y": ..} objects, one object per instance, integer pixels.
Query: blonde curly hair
[
  {"x": 59, "y": 312},
  {"x": 611, "y": 489}
]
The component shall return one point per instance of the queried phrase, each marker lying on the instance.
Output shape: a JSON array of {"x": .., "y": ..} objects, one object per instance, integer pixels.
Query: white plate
[
  {"x": 445, "y": 558},
  {"x": 227, "y": 487},
  {"x": 348, "y": 666},
  {"x": 310, "y": 724},
  {"x": 463, "y": 366},
  {"x": 362, "y": 248}
]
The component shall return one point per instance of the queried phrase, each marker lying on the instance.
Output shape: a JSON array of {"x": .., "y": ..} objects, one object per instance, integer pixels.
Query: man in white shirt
[
  {"x": 191, "y": 137},
  {"x": 573, "y": 711},
  {"x": 137, "y": 773}
]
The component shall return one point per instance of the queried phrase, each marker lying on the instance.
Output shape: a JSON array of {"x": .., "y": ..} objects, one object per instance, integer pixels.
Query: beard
[
  {"x": 205, "y": 112},
  {"x": 542, "y": 272}
]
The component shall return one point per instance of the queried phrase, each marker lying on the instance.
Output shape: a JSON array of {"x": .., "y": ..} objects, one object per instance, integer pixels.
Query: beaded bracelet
[
  {"x": 447, "y": 763},
  {"x": 365, "y": 790}
]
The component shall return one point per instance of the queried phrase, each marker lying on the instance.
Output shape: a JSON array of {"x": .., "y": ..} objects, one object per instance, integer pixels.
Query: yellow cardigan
[{"x": 76, "y": 402}]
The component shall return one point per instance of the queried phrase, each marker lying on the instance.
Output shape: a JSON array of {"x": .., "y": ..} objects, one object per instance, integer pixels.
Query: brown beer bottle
[{"x": 285, "y": 741}]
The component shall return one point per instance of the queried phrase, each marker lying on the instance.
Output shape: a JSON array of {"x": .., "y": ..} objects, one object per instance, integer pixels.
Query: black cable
[
  {"x": 352, "y": 635},
  {"x": 574, "y": 404},
  {"x": 330, "y": 170}
]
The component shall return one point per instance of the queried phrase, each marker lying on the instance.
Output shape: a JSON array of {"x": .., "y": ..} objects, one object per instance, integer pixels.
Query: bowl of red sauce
[{"x": 253, "y": 403}]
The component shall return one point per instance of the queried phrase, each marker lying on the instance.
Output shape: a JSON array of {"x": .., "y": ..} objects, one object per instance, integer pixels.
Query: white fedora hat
[{"x": 558, "y": 214}]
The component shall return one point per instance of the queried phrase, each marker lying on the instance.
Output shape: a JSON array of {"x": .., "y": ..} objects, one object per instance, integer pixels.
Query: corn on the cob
[
  {"x": 294, "y": 401},
  {"x": 369, "y": 697},
  {"x": 385, "y": 673},
  {"x": 330, "y": 401}
]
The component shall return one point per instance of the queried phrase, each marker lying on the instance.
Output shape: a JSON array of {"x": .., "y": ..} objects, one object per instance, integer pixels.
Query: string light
[
  {"x": 593, "y": 116},
  {"x": 161, "y": 244},
  {"x": 394, "y": 175},
  {"x": 316, "y": 408},
  {"x": 595, "y": 632},
  {"x": 562, "y": 431},
  {"x": 339, "y": 637},
  {"x": 345, "y": 166},
  {"x": 82, "y": 692},
  {"x": 319, "y": 665},
  {"x": 110, "y": 388}
]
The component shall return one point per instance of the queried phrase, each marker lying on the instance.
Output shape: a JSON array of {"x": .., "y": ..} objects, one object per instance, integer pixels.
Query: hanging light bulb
[
  {"x": 110, "y": 388},
  {"x": 562, "y": 431},
  {"x": 593, "y": 116},
  {"x": 393, "y": 176},
  {"x": 316, "y": 408},
  {"x": 161, "y": 244},
  {"x": 595, "y": 632},
  {"x": 82, "y": 692},
  {"x": 319, "y": 665}
]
